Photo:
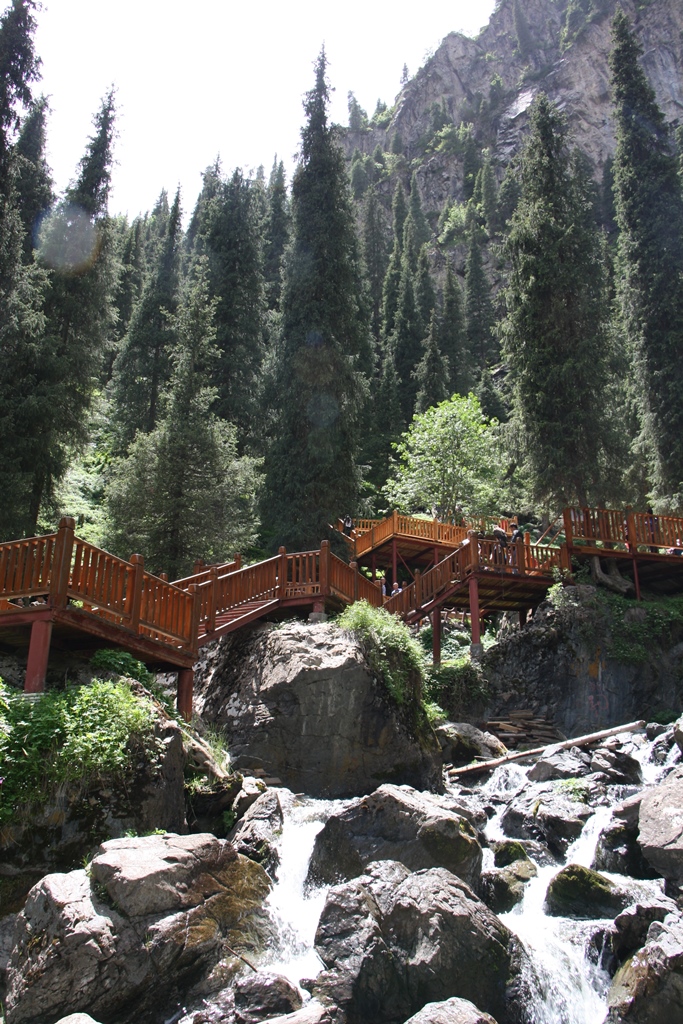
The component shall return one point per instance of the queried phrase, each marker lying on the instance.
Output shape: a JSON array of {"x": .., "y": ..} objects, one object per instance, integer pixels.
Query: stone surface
[
  {"x": 565, "y": 764},
  {"x": 430, "y": 939},
  {"x": 678, "y": 733},
  {"x": 77, "y": 1018},
  {"x": 152, "y": 914},
  {"x": 548, "y": 812},
  {"x": 301, "y": 702},
  {"x": 461, "y": 743},
  {"x": 395, "y": 823},
  {"x": 261, "y": 996},
  {"x": 451, "y": 1011},
  {"x": 661, "y": 827},
  {"x": 576, "y": 891},
  {"x": 256, "y": 833},
  {"x": 618, "y": 767},
  {"x": 504, "y": 889},
  {"x": 617, "y": 850},
  {"x": 648, "y": 989}
]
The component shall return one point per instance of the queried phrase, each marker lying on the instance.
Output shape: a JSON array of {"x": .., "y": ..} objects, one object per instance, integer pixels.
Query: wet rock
[
  {"x": 507, "y": 852},
  {"x": 256, "y": 834},
  {"x": 678, "y": 733},
  {"x": 618, "y": 850},
  {"x": 77, "y": 1018},
  {"x": 618, "y": 767},
  {"x": 432, "y": 939},
  {"x": 395, "y": 823},
  {"x": 462, "y": 743},
  {"x": 661, "y": 827},
  {"x": 553, "y": 813},
  {"x": 502, "y": 890},
  {"x": 655, "y": 729},
  {"x": 579, "y": 892},
  {"x": 648, "y": 989},
  {"x": 249, "y": 792},
  {"x": 565, "y": 764},
  {"x": 262, "y": 995},
  {"x": 468, "y": 805},
  {"x": 451, "y": 1011},
  {"x": 632, "y": 924},
  {"x": 121, "y": 941},
  {"x": 628, "y": 810},
  {"x": 312, "y": 1013},
  {"x": 302, "y": 702}
]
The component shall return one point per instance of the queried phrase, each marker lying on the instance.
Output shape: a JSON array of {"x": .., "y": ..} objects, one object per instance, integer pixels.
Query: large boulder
[
  {"x": 576, "y": 891},
  {"x": 661, "y": 827},
  {"x": 121, "y": 939},
  {"x": 553, "y": 813},
  {"x": 618, "y": 850},
  {"x": 648, "y": 989},
  {"x": 392, "y": 941},
  {"x": 461, "y": 743},
  {"x": 302, "y": 702},
  {"x": 256, "y": 834},
  {"x": 262, "y": 995},
  {"x": 504, "y": 889},
  {"x": 395, "y": 823},
  {"x": 451, "y": 1011},
  {"x": 560, "y": 764}
]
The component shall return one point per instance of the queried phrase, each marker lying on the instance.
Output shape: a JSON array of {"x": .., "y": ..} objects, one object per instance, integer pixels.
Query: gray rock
[
  {"x": 255, "y": 835},
  {"x": 302, "y": 702},
  {"x": 648, "y": 989},
  {"x": 565, "y": 764},
  {"x": 618, "y": 767},
  {"x": 502, "y": 890},
  {"x": 432, "y": 940},
  {"x": 678, "y": 733},
  {"x": 628, "y": 810},
  {"x": 395, "y": 823},
  {"x": 312, "y": 1013},
  {"x": 661, "y": 827},
  {"x": 462, "y": 742},
  {"x": 451, "y": 1011},
  {"x": 77, "y": 1018},
  {"x": 576, "y": 891},
  {"x": 548, "y": 812},
  {"x": 617, "y": 850},
  {"x": 261, "y": 996},
  {"x": 632, "y": 924},
  {"x": 152, "y": 914}
]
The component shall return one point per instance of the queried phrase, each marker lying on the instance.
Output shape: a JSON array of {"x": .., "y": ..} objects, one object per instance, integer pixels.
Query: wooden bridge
[{"x": 60, "y": 591}]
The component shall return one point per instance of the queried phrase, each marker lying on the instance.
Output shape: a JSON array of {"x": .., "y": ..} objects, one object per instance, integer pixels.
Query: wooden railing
[
  {"x": 371, "y": 533},
  {"x": 26, "y": 566},
  {"x": 624, "y": 530}
]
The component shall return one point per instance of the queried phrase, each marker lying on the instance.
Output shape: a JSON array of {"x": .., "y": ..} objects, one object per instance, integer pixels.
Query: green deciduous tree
[
  {"x": 450, "y": 462},
  {"x": 324, "y": 354},
  {"x": 554, "y": 335},
  {"x": 649, "y": 210},
  {"x": 182, "y": 492}
]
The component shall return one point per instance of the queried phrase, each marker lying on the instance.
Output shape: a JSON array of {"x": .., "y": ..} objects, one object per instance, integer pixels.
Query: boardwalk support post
[
  {"x": 213, "y": 598},
  {"x": 64, "y": 545},
  {"x": 185, "y": 690},
  {"x": 475, "y": 614},
  {"x": 38, "y": 654},
  {"x": 138, "y": 563},
  {"x": 282, "y": 572},
  {"x": 324, "y": 576},
  {"x": 354, "y": 567}
]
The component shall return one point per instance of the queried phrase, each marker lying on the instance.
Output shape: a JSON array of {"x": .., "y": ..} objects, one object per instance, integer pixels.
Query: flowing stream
[{"x": 567, "y": 987}]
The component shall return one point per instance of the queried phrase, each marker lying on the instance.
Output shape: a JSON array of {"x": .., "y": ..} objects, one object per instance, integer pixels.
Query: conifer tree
[
  {"x": 649, "y": 209},
  {"x": 276, "y": 234},
  {"x": 324, "y": 353},
  {"x": 406, "y": 343},
  {"x": 142, "y": 368},
  {"x": 375, "y": 255},
  {"x": 387, "y": 419},
  {"x": 485, "y": 195},
  {"x": 33, "y": 178},
  {"x": 452, "y": 336},
  {"x": 182, "y": 493},
  {"x": 393, "y": 276},
  {"x": 425, "y": 297},
  {"x": 421, "y": 229},
  {"x": 131, "y": 278},
  {"x": 478, "y": 307},
  {"x": 432, "y": 371},
  {"x": 554, "y": 334},
  {"x": 492, "y": 405}
]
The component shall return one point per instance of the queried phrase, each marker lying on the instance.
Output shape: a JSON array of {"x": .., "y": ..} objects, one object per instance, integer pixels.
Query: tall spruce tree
[
  {"x": 276, "y": 234},
  {"x": 479, "y": 317},
  {"x": 143, "y": 366},
  {"x": 649, "y": 211},
  {"x": 425, "y": 296},
  {"x": 392, "y": 280},
  {"x": 452, "y": 336},
  {"x": 33, "y": 177},
  {"x": 375, "y": 255},
  {"x": 431, "y": 373},
  {"x": 324, "y": 353},
  {"x": 182, "y": 492},
  {"x": 406, "y": 343},
  {"x": 554, "y": 335}
]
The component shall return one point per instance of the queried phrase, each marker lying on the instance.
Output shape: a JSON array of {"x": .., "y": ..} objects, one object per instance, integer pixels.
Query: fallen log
[{"x": 520, "y": 755}]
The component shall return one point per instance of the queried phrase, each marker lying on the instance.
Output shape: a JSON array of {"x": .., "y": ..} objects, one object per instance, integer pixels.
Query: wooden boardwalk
[{"x": 58, "y": 590}]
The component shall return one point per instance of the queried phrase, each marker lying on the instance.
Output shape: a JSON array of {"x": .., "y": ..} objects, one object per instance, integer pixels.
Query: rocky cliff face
[{"x": 492, "y": 80}]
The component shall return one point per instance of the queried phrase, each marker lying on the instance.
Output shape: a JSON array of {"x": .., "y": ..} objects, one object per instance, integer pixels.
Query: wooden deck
[{"x": 59, "y": 590}]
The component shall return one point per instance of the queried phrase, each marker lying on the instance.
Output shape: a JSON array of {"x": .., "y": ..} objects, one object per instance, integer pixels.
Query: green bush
[
  {"x": 393, "y": 653},
  {"x": 82, "y": 734},
  {"x": 122, "y": 663},
  {"x": 456, "y": 686}
]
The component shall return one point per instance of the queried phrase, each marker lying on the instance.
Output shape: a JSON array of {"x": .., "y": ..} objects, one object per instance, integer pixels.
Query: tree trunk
[{"x": 612, "y": 579}]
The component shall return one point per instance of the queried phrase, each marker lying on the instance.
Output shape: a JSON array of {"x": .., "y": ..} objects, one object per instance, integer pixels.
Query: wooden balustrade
[{"x": 26, "y": 566}]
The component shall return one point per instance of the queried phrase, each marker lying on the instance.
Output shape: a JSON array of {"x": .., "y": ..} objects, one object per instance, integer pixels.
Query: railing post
[
  {"x": 631, "y": 536},
  {"x": 184, "y": 697},
  {"x": 61, "y": 562},
  {"x": 38, "y": 656},
  {"x": 354, "y": 567},
  {"x": 324, "y": 568},
  {"x": 138, "y": 563},
  {"x": 568, "y": 528},
  {"x": 282, "y": 572},
  {"x": 436, "y": 636},
  {"x": 418, "y": 589},
  {"x": 238, "y": 561},
  {"x": 198, "y": 566},
  {"x": 213, "y": 597},
  {"x": 193, "y": 591},
  {"x": 473, "y": 538}
]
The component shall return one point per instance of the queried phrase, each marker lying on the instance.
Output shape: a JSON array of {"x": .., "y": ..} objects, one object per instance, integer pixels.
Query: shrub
[
  {"x": 457, "y": 686},
  {"x": 393, "y": 653},
  {"x": 122, "y": 664}
]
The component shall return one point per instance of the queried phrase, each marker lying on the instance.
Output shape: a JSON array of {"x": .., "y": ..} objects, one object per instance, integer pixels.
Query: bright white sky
[{"x": 197, "y": 78}]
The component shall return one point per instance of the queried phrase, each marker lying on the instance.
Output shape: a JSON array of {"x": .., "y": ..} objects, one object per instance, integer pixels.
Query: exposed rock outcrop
[
  {"x": 302, "y": 702},
  {"x": 661, "y": 827},
  {"x": 151, "y": 916},
  {"x": 451, "y": 1011},
  {"x": 648, "y": 989}
]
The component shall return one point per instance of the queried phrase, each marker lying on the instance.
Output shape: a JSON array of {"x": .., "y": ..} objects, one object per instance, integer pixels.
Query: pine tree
[
  {"x": 452, "y": 336},
  {"x": 33, "y": 178},
  {"x": 276, "y": 234},
  {"x": 131, "y": 278},
  {"x": 182, "y": 492},
  {"x": 425, "y": 297},
  {"x": 228, "y": 235},
  {"x": 649, "y": 208},
  {"x": 490, "y": 400},
  {"x": 478, "y": 308},
  {"x": 142, "y": 368},
  {"x": 485, "y": 195},
  {"x": 421, "y": 229},
  {"x": 387, "y": 419},
  {"x": 406, "y": 343},
  {"x": 554, "y": 334},
  {"x": 432, "y": 371},
  {"x": 324, "y": 354},
  {"x": 375, "y": 255},
  {"x": 393, "y": 276}
]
